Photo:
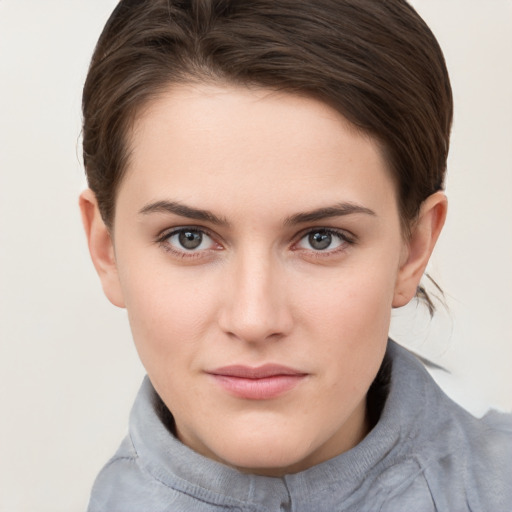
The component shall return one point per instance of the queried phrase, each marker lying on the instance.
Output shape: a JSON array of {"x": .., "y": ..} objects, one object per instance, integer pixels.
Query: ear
[
  {"x": 417, "y": 250},
  {"x": 101, "y": 247}
]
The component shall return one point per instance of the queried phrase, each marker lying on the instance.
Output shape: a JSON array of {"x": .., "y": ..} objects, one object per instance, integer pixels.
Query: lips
[{"x": 260, "y": 383}]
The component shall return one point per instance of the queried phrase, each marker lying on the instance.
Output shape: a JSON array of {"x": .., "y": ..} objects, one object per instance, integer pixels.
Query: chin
[{"x": 266, "y": 454}]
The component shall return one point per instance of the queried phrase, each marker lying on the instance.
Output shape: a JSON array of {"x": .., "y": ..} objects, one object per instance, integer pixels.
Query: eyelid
[
  {"x": 164, "y": 235},
  {"x": 347, "y": 238},
  {"x": 342, "y": 233},
  {"x": 167, "y": 232}
]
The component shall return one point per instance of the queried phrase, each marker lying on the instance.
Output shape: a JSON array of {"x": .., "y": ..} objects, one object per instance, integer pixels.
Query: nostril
[{"x": 254, "y": 330}]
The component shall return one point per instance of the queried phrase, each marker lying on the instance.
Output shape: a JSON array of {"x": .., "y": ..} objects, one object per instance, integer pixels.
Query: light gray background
[{"x": 68, "y": 371}]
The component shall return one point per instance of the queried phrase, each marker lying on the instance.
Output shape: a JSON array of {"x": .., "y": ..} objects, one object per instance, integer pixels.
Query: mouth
[{"x": 260, "y": 383}]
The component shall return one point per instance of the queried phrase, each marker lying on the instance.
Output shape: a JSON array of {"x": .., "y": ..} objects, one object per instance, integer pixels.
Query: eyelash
[
  {"x": 163, "y": 241},
  {"x": 345, "y": 238}
]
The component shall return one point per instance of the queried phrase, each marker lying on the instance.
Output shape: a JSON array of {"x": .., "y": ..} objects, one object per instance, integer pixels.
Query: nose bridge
[{"x": 256, "y": 307}]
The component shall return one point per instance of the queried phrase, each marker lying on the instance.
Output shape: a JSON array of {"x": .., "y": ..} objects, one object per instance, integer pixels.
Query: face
[{"x": 258, "y": 252}]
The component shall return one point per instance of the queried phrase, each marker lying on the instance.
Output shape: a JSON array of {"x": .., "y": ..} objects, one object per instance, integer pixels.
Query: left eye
[
  {"x": 322, "y": 240},
  {"x": 189, "y": 240}
]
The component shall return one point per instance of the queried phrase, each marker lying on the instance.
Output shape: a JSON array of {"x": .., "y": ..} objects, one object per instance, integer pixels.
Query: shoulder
[
  {"x": 463, "y": 462},
  {"x": 472, "y": 466},
  {"x": 466, "y": 465},
  {"x": 489, "y": 462},
  {"x": 469, "y": 459},
  {"x": 123, "y": 485}
]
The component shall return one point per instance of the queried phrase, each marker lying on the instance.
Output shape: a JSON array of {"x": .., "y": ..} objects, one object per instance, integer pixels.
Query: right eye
[{"x": 188, "y": 241}]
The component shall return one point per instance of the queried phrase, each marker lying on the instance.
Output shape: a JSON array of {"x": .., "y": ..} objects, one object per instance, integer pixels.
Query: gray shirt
[{"x": 425, "y": 454}]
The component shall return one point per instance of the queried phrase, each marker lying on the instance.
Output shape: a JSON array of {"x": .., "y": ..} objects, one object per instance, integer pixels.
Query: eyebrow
[
  {"x": 183, "y": 211},
  {"x": 337, "y": 210}
]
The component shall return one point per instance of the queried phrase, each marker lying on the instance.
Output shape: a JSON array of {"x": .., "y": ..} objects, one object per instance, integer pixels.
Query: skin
[{"x": 256, "y": 290}]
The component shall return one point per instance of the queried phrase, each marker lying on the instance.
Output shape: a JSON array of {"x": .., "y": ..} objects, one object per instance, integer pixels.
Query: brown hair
[{"x": 375, "y": 61}]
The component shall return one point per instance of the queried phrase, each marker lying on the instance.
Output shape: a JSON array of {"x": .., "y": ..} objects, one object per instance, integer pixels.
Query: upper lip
[{"x": 259, "y": 372}]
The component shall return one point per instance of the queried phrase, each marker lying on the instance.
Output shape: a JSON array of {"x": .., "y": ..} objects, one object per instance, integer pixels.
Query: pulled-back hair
[{"x": 374, "y": 61}]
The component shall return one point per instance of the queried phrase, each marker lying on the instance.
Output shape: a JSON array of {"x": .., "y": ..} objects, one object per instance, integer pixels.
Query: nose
[{"x": 256, "y": 305}]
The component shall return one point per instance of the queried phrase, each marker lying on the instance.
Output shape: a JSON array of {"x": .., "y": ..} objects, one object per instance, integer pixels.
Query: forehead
[{"x": 249, "y": 146}]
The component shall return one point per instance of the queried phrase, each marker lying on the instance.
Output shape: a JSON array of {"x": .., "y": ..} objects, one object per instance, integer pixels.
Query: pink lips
[{"x": 261, "y": 383}]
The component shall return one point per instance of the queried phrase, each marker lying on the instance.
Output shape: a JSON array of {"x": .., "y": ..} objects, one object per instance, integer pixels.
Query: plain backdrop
[{"x": 68, "y": 370}]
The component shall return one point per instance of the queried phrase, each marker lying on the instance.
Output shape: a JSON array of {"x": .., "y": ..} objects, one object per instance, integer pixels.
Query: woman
[{"x": 265, "y": 186}]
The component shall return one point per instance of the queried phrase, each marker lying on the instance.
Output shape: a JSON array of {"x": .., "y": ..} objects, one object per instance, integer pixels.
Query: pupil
[
  {"x": 190, "y": 239},
  {"x": 320, "y": 240}
]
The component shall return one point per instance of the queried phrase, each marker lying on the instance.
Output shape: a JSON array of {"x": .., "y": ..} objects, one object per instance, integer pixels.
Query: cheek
[
  {"x": 351, "y": 300},
  {"x": 167, "y": 310},
  {"x": 350, "y": 320}
]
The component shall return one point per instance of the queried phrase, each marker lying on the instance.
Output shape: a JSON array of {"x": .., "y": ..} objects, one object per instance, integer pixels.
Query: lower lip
[{"x": 258, "y": 389}]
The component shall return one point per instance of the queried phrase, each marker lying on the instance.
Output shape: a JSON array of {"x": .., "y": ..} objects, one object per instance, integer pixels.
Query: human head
[
  {"x": 374, "y": 61},
  {"x": 264, "y": 162}
]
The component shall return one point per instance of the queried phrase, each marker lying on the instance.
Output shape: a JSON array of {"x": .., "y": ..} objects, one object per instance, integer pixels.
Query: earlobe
[
  {"x": 423, "y": 238},
  {"x": 101, "y": 247}
]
